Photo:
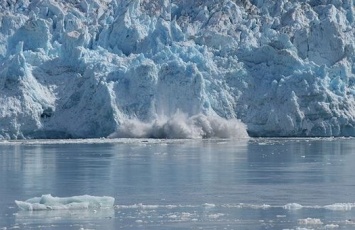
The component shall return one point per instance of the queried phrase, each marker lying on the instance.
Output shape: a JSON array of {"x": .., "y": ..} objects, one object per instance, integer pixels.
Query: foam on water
[
  {"x": 181, "y": 126},
  {"x": 48, "y": 202}
]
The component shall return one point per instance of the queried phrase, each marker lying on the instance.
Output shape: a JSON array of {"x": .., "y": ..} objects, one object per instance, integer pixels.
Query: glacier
[{"x": 176, "y": 68}]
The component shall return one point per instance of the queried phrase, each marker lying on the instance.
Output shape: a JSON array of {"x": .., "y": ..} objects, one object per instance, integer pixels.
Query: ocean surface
[{"x": 183, "y": 184}]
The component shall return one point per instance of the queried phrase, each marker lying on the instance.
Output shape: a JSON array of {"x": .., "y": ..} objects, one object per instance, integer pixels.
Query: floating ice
[
  {"x": 310, "y": 221},
  {"x": 340, "y": 206},
  {"x": 292, "y": 206},
  {"x": 48, "y": 202},
  {"x": 331, "y": 226}
]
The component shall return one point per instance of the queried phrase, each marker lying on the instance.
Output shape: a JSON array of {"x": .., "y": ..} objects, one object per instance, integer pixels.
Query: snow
[
  {"x": 48, "y": 202},
  {"x": 176, "y": 69}
]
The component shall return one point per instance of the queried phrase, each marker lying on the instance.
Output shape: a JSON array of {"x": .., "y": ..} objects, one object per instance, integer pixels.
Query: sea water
[{"x": 182, "y": 184}]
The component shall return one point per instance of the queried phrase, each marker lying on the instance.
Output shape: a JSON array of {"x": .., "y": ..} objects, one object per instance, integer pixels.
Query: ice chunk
[
  {"x": 48, "y": 202},
  {"x": 310, "y": 221},
  {"x": 340, "y": 206},
  {"x": 292, "y": 206}
]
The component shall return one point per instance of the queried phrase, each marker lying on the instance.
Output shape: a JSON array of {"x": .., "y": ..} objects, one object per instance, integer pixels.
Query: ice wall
[{"x": 144, "y": 68}]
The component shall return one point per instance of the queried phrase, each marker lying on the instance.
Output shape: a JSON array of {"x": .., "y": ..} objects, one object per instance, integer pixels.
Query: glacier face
[{"x": 176, "y": 68}]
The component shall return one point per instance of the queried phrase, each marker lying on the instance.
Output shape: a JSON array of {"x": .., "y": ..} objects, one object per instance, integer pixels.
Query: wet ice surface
[
  {"x": 47, "y": 203},
  {"x": 182, "y": 184}
]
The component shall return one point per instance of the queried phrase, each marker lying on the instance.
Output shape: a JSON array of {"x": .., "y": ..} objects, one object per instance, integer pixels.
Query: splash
[{"x": 181, "y": 126}]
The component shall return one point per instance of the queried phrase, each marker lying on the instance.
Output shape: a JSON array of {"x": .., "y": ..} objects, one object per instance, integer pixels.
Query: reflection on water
[{"x": 160, "y": 184}]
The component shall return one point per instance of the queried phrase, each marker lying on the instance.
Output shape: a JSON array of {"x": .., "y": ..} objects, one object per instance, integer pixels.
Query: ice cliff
[{"x": 176, "y": 68}]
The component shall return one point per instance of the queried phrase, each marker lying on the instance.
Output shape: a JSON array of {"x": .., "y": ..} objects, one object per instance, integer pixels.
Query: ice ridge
[{"x": 99, "y": 68}]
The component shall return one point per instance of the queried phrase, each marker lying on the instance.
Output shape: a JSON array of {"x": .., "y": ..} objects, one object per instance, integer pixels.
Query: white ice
[
  {"x": 93, "y": 68},
  {"x": 48, "y": 202}
]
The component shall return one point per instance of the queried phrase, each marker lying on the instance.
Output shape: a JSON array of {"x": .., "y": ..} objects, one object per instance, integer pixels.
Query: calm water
[{"x": 183, "y": 184}]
